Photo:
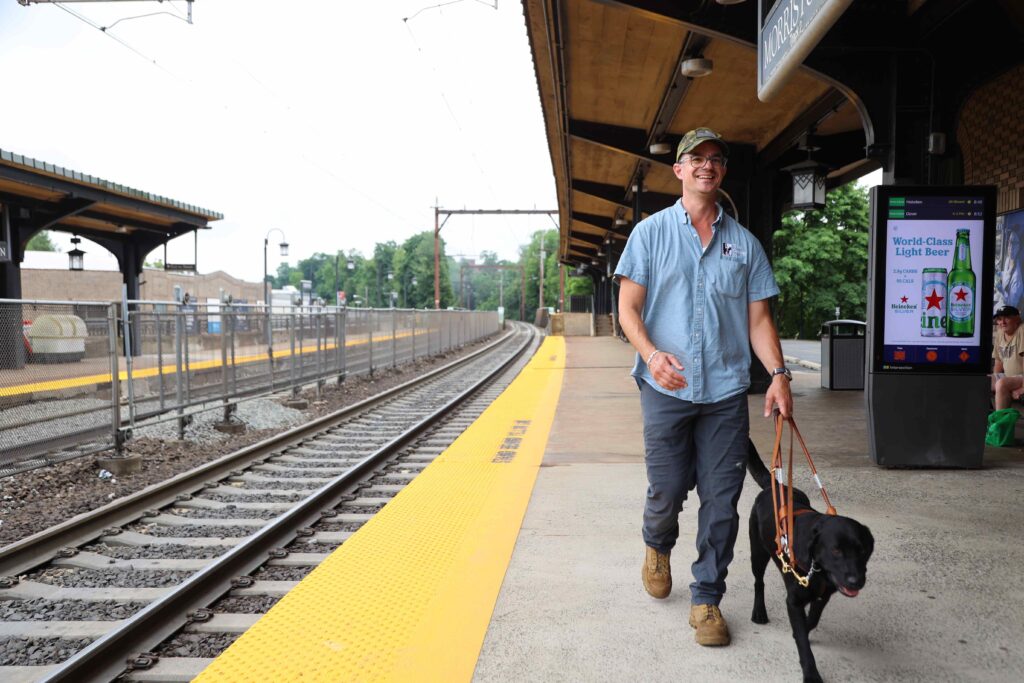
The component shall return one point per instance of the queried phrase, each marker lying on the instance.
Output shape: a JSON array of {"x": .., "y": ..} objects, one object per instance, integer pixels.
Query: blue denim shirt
[{"x": 697, "y": 299}]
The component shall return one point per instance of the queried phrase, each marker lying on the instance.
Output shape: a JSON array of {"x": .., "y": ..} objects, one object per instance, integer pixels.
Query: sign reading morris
[{"x": 787, "y": 35}]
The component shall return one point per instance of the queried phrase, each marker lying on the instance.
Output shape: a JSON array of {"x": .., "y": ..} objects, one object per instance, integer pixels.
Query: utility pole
[
  {"x": 448, "y": 213},
  {"x": 540, "y": 285}
]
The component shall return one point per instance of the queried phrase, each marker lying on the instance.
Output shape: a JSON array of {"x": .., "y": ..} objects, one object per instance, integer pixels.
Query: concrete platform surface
[{"x": 944, "y": 599}]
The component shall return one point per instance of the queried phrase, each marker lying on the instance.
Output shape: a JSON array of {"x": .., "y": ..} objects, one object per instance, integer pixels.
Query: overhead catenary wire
[
  {"x": 455, "y": 119},
  {"x": 104, "y": 31},
  {"x": 277, "y": 99}
]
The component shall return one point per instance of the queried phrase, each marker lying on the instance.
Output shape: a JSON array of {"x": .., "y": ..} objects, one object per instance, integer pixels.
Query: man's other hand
[{"x": 667, "y": 371}]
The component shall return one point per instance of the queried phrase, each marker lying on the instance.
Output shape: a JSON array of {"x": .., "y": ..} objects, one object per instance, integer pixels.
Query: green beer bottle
[{"x": 961, "y": 289}]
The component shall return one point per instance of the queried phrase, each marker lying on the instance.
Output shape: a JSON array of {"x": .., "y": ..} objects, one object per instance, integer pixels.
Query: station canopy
[
  {"x": 49, "y": 197},
  {"x": 616, "y": 102}
]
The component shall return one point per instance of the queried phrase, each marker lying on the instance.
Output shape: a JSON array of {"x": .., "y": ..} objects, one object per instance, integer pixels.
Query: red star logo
[
  {"x": 961, "y": 295},
  {"x": 899, "y": 355},
  {"x": 903, "y": 299},
  {"x": 934, "y": 300},
  {"x": 964, "y": 356},
  {"x": 931, "y": 356}
]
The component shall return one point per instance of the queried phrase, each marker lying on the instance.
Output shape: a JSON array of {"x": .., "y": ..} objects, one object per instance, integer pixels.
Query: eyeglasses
[{"x": 698, "y": 161}]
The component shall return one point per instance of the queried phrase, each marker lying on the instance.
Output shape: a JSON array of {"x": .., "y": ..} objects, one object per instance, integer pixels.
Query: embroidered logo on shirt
[{"x": 733, "y": 251}]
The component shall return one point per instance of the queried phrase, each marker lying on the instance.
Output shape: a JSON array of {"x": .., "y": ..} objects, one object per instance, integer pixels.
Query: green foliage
[
  {"x": 40, "y": 242},
  {"x": 367, "y": 282},
  {"x": 820, "y": 260}
]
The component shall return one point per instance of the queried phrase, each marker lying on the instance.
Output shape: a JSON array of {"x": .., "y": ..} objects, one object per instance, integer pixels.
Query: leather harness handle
[{"x": 782, "y": 497}]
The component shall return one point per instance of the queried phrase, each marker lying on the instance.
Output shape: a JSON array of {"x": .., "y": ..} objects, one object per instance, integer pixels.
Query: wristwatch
[{"x": 783, "y": 371}]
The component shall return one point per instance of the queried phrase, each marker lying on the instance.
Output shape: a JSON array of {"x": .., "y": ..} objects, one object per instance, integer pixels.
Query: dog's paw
[{"x": 759, "y": 616}]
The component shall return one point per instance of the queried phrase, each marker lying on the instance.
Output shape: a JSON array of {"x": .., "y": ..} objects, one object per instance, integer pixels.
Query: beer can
[{"x": 933, "y": 302}]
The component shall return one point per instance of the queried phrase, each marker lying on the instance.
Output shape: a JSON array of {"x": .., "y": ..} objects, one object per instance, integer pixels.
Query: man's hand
[
  {"x": 667, "y": 371},
  {"x": 778, "y": 394}
]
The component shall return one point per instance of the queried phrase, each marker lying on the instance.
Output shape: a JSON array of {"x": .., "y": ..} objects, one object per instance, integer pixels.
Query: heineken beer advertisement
[{"x": 930, "y": 298}]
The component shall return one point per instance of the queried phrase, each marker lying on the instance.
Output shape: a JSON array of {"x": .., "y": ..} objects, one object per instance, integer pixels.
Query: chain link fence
[{"x": 67, "y": 387}]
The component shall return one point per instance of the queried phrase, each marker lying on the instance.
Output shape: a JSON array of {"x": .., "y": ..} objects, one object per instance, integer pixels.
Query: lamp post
[
  {"x": 266, "y": 284},
  {"x": 405, "y": 290},
  {"x": 391, "y": 292}
]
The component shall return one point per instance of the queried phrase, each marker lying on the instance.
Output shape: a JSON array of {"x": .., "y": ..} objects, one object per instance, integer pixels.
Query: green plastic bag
[{"x": 1001, "y": 425}]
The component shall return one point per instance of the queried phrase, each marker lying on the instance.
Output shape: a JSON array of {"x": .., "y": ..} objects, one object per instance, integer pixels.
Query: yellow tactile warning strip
[
  {"x": 409, "y": 596},
  {"x": 85, "y": 380}
]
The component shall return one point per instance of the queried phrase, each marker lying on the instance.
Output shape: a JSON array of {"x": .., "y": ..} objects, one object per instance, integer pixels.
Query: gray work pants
[{"x": 703, "y": 445}]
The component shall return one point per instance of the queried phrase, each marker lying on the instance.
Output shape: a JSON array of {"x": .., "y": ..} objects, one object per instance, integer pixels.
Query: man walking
[{"x": 694, "y": 286}]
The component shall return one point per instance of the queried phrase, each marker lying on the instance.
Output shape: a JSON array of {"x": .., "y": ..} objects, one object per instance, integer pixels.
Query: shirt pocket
[{"x": 732, "y": 278}]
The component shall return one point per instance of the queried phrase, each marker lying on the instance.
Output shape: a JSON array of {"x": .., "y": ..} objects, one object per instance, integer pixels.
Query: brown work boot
[
  {"x": 710, "y": 624},
  {"x": 657, "y": 574}
]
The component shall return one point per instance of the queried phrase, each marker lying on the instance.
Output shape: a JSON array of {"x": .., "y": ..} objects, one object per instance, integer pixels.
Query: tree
[
  {"x": 820, "y": 261},
  {"x": 40, "y": 242}
]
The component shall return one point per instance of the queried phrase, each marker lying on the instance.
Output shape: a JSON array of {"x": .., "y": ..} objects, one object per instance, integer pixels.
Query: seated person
[{"x": 1008, "y": 352}]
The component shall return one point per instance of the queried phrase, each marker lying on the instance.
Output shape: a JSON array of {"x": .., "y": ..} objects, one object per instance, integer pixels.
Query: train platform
[{"x": 516, "y": 556}]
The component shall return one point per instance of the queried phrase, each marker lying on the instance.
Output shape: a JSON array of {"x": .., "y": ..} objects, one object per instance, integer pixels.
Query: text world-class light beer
[
  {"x": 961, "y": 289},
  {"x": 933, "y": 302}
]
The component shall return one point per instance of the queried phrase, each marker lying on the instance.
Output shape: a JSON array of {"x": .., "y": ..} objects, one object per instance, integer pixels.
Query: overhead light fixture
[
  {"x": 696, "y": 67},
  {"x": 284, "y": 248},
  {"x": 76, "y": 260},
  {"x": 660, "y": 148},
  {"x": 621, "y": 221},
  {"x": 808, "y": 184},
  {"x": 595, "y": 262},
  {"x": 607, "y": 239},
  {"x": 122, "y": 230},
  {"x": 351, "y": 264}
]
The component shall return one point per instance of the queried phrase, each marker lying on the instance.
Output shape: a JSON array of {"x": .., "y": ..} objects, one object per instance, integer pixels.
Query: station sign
[
  {"x": 932, "y": 279},
  {"x": 180, "y": 267},
  {"x": 5, "y": 236},
  {"x": 786, "y": 35}
]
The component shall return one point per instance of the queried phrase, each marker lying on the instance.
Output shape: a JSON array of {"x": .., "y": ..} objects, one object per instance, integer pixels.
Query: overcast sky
[{"x": 334, "y": 121}]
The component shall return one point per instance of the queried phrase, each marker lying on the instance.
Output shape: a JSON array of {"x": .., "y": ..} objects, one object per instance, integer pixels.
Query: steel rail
[
  {"x": 105, "y": 658},
  {"x": 31, "y": 551}
]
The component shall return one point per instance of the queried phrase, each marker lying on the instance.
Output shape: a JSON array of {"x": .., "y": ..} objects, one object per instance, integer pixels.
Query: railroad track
[{"x": 152, "y": 586}]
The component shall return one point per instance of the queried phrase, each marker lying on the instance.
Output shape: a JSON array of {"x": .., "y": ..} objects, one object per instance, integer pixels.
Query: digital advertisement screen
[{"x": 933, "y": 279}]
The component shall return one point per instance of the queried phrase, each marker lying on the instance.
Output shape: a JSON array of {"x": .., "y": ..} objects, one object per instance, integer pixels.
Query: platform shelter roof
[
  {"x": 62, "y": 199},
  {"x": 612, "y": 91}
]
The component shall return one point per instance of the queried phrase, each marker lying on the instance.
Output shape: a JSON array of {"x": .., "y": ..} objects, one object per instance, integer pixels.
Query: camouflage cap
[{"x": 697, "y": 136}]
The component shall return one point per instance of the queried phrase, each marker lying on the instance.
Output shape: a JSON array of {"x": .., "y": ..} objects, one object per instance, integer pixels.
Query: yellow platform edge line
[
  {"x": 409, "y": 597},
  {"x": 142, "y": 373}
]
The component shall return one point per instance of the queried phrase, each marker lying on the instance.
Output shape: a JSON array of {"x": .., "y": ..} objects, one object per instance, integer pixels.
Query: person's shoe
[
  {"x": 710, "y": 624},
  {"x": 657, "y": 574}
]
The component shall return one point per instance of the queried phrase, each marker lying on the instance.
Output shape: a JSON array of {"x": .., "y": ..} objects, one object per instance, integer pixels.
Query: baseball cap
[
  {"x": 1007, "y": 311},
  {"x": 697, "y": 136}
]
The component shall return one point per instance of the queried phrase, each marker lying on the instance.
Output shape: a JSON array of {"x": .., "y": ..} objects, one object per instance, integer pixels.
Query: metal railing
[{"x": 68, "y": 387}]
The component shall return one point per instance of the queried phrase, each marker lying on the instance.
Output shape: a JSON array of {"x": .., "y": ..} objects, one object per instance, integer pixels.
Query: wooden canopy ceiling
[{"x": 610, "y": 85}]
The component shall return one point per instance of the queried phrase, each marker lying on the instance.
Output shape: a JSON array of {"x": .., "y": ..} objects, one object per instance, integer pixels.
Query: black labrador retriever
[{"x": 832, "y": 550}]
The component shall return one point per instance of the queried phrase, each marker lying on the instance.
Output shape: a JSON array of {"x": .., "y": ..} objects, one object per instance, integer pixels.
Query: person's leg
[
  {"x": 1007, "y": 389},
  {"x": 670, "y": 464},
  {"x": 720, "y": 438}
]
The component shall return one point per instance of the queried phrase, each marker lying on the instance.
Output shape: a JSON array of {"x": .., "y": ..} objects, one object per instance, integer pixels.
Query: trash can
[{"x": 842, "y": 354}]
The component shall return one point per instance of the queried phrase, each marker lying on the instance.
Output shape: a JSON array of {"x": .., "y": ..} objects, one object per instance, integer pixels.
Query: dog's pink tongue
[{"x": 848, "y": 592}]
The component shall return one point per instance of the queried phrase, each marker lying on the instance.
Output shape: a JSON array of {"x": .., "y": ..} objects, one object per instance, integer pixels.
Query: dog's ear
[
  {"x": 807, "y": 543},
  {"x": 867, "y": 541}
]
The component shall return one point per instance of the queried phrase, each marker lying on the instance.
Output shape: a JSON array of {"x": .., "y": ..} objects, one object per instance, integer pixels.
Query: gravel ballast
[
  {"x": 36, "y": 500},
  {"x": 67, "y": 610}
]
